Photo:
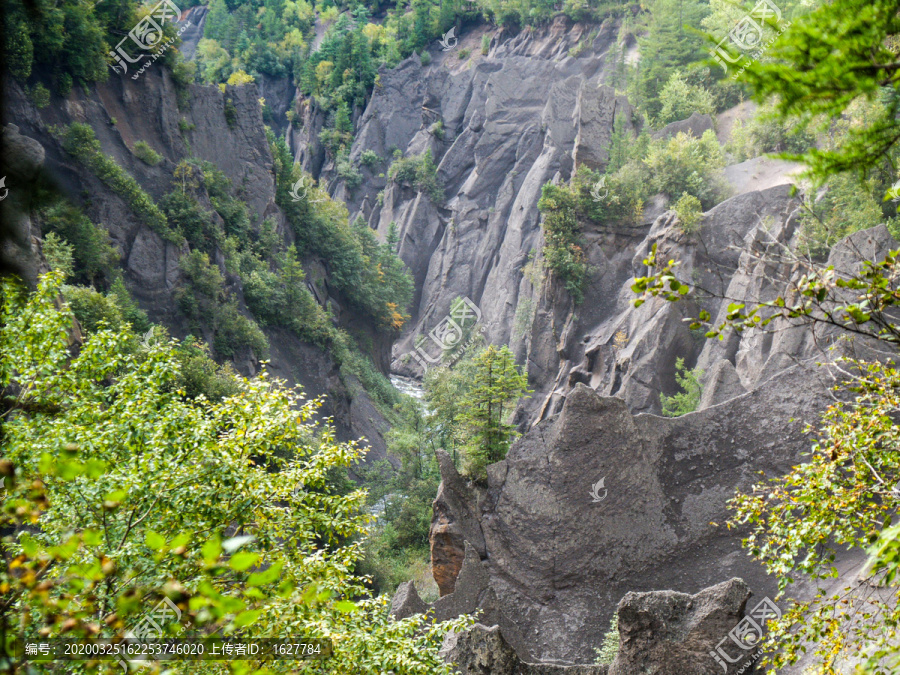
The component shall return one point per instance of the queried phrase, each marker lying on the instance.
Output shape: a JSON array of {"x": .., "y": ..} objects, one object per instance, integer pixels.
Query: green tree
[
  {"x": 829, "y": 58},
  {"x": 563, "y": 245},
  {"x": 678, "y": 100},
  {"x": 668, "y": 45},
  {"x": 497, "y": 384},
  {"x": 689, "y": 212},
  {"x": 687, "y": 399},
  {"x": 684, "y": 164}
]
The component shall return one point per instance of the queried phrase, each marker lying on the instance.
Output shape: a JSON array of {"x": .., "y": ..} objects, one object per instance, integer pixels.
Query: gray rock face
[
  {"x": 482, "y": 650},
  {"x": 669, "y": 633},
  {"x": 695, "y": 125},
  {"x": 524, "y": 115},
  {"x": 558, "y": 559},
  {"x": 193, "y": 33},
  {"x": 454, "y": 522},
  {"x": 512, "y": 121},
  {"x": 660, "y": 632},
  {"x": 22, "y": 162}
]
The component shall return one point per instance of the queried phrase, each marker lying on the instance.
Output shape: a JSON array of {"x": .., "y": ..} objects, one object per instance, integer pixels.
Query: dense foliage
[
  {"x": 684, "y": 168},
  {"x": 465, "y": 411},
  {"x": 135, "y": 489}
]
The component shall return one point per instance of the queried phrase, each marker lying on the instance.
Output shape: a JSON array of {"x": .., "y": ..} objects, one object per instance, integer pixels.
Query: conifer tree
[{"x": 497, "y": 384}]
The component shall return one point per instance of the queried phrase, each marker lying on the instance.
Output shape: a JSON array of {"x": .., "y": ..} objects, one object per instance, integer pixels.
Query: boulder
[
  {"x": 454, "y": 522},
  {"x": 695, "y": 125},
  {"x": 406, "y": 602},
  {"x": 670, "y": 633}
]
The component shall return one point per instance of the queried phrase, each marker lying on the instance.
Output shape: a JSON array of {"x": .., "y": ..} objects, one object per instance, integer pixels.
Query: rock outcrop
[
  {"x": 558, "y": 559},
  {"x": 499, "y": 127},
  {"x": 22, "y": 163},
  {"x": 406, "y": 602},
  {"x": 660, "y": 632}
]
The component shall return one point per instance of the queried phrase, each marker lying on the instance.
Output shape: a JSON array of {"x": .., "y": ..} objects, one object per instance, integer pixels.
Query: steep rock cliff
[{"x": 122, "y": 112}]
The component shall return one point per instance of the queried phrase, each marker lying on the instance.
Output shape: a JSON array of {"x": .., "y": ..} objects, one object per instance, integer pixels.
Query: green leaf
[
  {"x": 243, "y": 560},
  {"x": 246, "y": 618},
  {"x": 211, "y": 549},
  {"x": 154, "y": 540},
  {"x": 266, "y": 576},
  {"x": 345, "y": 606}
]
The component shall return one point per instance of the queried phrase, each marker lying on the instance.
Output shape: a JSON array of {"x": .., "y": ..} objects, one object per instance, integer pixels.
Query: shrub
[
  {"x": 191, "y": 220},
  {"x": 689, "y": 212},
  {"x": 184, "y": 126},
  {"x": 200, "y": 375},
  {"x": 419, "y": 172},
  {"x": 239, "y": 78},
  {"x": 607, "y": 652},
  {"x": 234, "y": 330},
  {"x": 847, "y": 206},
  {"x": 485, "y": 44},
  {"x": 563, "y": 247},
  {"x": 686, "y": 164},
  {"x": 40, "y": 95},
  {"x": 764, "y": 133},
  {"x": 93, "y": 309},
  {"x": 348, "y": 172},
  {"x": 463, "y": 54},
  {"x": 689, "y": 397},
  {"x": 128, "y": 308},
  {"x": 58, "y": 254},
  {"x": 680, "y": 99},
  {"x": 425, "y": 58},
  {"x": 437, "y": 130},
  {"x": 64, "y": 84},
  {"x": 369, "y": 158},
  {"x": 233, "y": 211},
  {"x": 94, "y": 257},
  {"x": 146, "y": 154},
  {"x": 230, "y": 112},
  {"x": 79, "y": 141}
]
